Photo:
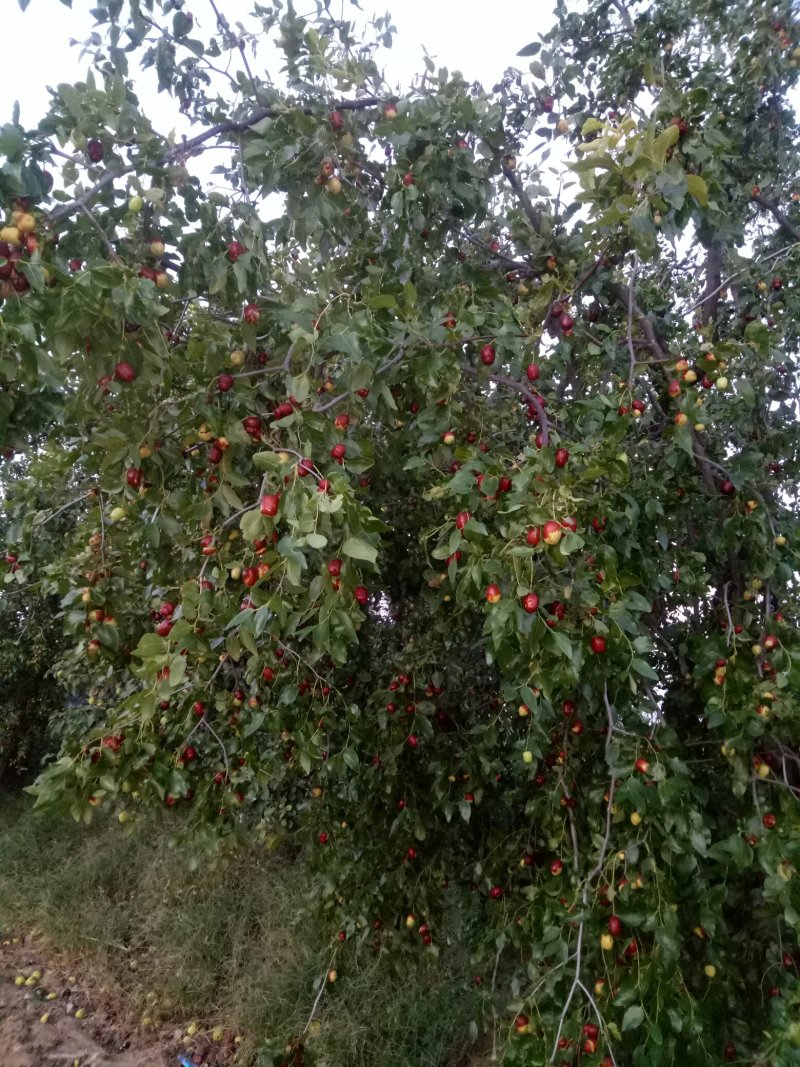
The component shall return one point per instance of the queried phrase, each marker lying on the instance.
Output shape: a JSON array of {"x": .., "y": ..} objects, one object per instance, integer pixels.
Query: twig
[
  {"x": 576, "y": 981},
  {"x": 584, "y": 278},
  {"x": 323, "y": 983},
  {"x": 729, "y": 638},
  {"x": 504, "y": 261},
  {"x": 112, "y": 944},
  {"x": 78, "y": 204},
  {"x": 64, "y": 507},
  {"x": 387, "y": 366},
  {"x": 215, "y": 735},
  {"x": 645, "y": 325}
]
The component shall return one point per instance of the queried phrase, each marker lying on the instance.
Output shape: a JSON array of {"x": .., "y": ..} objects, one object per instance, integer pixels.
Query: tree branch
[
  {"x": 622, "y": 297},
  {"x": 187, "y": 147},
  {"x": 624, "y": 15},
  {"x": 710, "y": 304},
  {"x": 65, "y": 210},
  {"x": 776, "y": 212},
  {"x": 534, "y": 216},
  {"x": 532, "y": 399},
  {"x": 629, "y": 330}
]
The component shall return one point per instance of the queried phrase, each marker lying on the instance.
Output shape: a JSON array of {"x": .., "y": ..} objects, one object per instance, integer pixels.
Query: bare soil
[{"x": 106, "y": 1037}]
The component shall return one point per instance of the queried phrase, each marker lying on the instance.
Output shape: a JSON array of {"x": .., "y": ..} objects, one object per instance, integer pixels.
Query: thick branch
[
  {"x": 710, "y": 305},
  {"x": 534, "y": 216},
  {"x": 624, "y": 14}
]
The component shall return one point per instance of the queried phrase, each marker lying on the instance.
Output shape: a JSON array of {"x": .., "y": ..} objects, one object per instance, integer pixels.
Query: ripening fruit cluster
[{"x": 18, "y": 243}]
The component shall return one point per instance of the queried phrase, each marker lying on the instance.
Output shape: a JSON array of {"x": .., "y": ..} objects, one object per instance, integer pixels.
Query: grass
[{"x": 224, "y": 944}]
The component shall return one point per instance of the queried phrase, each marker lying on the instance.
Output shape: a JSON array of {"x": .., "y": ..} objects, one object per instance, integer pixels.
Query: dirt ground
[{"x": 104, "y": 1037}]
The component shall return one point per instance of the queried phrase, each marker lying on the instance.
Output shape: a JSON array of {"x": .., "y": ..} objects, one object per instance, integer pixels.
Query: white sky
[{"x": 478, "y": 38}]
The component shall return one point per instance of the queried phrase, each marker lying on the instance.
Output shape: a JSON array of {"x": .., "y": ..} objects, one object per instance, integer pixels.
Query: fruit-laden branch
[
  {"x": 532, "y": 398},
  {"x": 784, "y": 220},
  {"x": 188, "y": 147},
  {"x": 534, "y": 216}
]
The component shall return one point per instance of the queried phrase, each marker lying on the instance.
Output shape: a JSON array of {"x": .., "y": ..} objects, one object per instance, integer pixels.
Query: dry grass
[{"x": 223, "y": 943}]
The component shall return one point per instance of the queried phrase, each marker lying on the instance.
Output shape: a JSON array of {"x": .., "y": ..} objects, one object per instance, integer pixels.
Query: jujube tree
[{"x": 440, "y": 511}]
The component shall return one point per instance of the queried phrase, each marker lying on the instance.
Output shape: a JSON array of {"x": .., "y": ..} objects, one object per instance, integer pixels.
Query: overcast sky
[{"x": 480, "y": 39}]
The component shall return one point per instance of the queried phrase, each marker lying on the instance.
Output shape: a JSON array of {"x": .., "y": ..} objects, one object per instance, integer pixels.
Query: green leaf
[
  {"x": 632, "y": 1018},
  {"x": 643, "y": 667},
  {"x": 563, "y": 643},
  {"x": 698, "y": 189},
  {"x": 150, "y": 646},
  {"x": 255, "y": 724},
  {"x": 591, "y": 125},
  {"x": 382, "y": 300},
  {"x": 356, "y": 548},
  {"x": 267, "y": 461},
  {"x": 667, "y": 139}
]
